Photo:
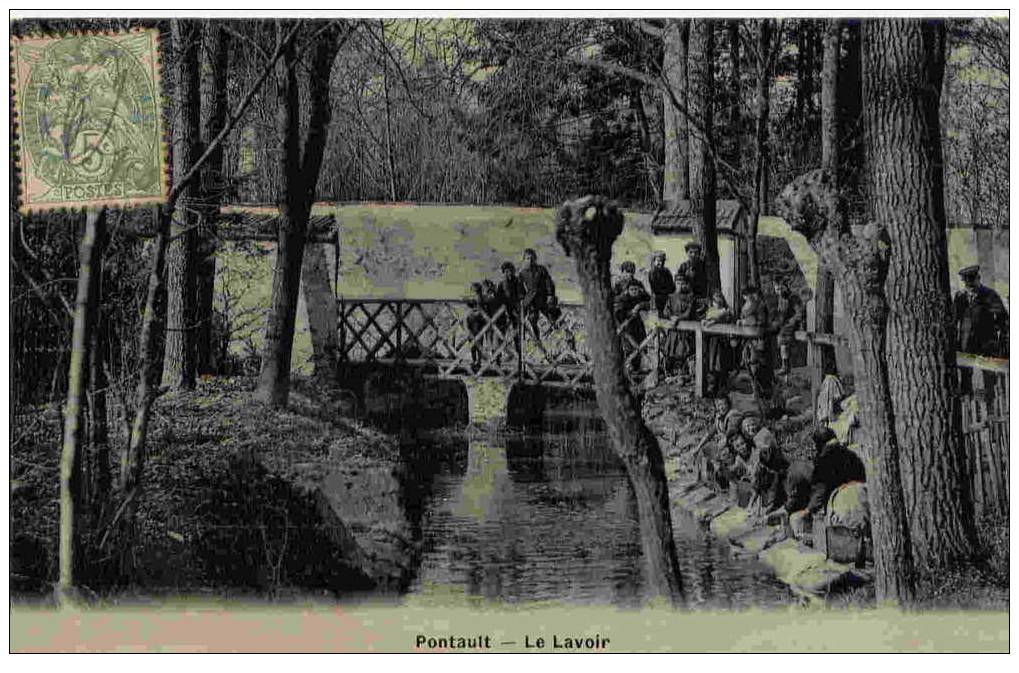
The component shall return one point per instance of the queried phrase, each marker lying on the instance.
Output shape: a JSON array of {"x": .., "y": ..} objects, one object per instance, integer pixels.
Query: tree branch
[
  {"x": 234, "y": 118},
  {"x": 662, "y": 85},
  {"x": 649, "y": 28},
  {"x": 37, "y": 289}
]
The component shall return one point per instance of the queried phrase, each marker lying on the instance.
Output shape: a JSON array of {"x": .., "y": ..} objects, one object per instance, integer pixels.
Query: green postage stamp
[{"x": 90, "y": 128}]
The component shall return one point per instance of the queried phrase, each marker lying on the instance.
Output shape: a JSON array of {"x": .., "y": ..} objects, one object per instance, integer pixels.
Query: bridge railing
[{"x": 457, "y": 339}]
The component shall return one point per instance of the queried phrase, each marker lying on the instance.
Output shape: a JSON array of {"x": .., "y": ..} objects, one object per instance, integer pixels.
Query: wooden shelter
[{"x": 673, "y": 226}]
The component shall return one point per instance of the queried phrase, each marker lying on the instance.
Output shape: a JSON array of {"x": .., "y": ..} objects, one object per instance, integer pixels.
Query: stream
[{"x": 549, "y": 515}]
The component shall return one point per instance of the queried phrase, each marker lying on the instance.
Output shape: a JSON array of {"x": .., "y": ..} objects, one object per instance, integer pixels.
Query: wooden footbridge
[
  {"x": 455, "y": 340},
  {"x": 452, "y": 340}
]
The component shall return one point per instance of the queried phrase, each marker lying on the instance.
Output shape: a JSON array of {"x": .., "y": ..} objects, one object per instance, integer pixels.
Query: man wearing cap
[
  {"x": 980, "y": 316},
  {"x": 694, "y": 270},
  {"x": 661, "y": 281}
]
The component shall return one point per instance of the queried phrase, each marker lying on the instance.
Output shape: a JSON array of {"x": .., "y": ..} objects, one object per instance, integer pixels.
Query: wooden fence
[{"x": 985, "y": 433}]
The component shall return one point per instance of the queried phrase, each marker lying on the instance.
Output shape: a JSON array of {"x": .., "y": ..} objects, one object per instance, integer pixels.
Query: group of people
[
  {"x": 740, "y": 457},
  {"x": 688, "y": 296},
  {"x": 527, "y": 294}
]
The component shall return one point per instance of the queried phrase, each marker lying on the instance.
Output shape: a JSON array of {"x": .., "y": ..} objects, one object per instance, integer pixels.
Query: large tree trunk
[
  {"x": 702, "y": 161},
  {"x": 299, "y": 178},
  {"x": 894, "y": 568},
  {"x": 586, "y": 229},
  {"x": 808, "y": 205},
  {"x": 904, "y": 65},
  {"x": 323, "y": 318},
  {"x": 214, "y": 100},
  {"x": 71, "y": 515},
  {"x": 274, "y": 377},
  {"x": 806, "y": 65},
  {"x": 676, "y": 181},
  {"x": 763, "y": 109},
  {"x": 180, "y": 362}
]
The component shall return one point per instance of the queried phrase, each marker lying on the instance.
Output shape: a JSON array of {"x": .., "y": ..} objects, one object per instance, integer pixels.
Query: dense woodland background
[
  {"x": 523, "y": 112},
  {"x": 527, "y": 113}
]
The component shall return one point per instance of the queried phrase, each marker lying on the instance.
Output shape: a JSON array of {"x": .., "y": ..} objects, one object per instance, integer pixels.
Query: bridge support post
[
  {"x": 342, "y": 319},
  {"x": 487, "y": 399}
]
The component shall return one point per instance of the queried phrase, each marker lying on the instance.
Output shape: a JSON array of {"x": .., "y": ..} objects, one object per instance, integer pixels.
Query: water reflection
[{"x": 553, "y": 517}]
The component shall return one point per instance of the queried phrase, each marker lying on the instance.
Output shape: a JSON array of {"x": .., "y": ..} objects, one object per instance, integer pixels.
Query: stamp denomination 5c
[{"x": 90, "y": 128}]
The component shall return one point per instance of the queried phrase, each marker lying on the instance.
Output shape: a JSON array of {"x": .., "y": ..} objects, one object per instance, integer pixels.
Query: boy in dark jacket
[
  {"x": 539, "y": 293},
  {"x": 661, "y": 281}
]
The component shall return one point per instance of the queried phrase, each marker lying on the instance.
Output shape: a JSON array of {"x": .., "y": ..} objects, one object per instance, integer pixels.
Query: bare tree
[
  {"x": 154, "y": 320},
  {"x": 180, "y": 358},
  {"x": 703, "y": 189},
  {"x": 766, "y": 53},
  {"x": 586, "y": 229},
  {"x": 676, "y": 181},
  {"x": 299, "y": 170},
  {"x": 824, "y": 295},
  {"x": 215, "y": 63},
  {"x": 71, "y": 510}
]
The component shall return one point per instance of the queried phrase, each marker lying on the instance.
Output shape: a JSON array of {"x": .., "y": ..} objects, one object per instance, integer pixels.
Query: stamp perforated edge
[{"x": 27, "y": 208}]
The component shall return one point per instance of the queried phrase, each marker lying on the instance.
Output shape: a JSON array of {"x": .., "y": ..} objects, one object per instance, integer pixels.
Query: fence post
[
  {"x": 813, "y": 362},
  {"x": 700, "y": 361}
]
